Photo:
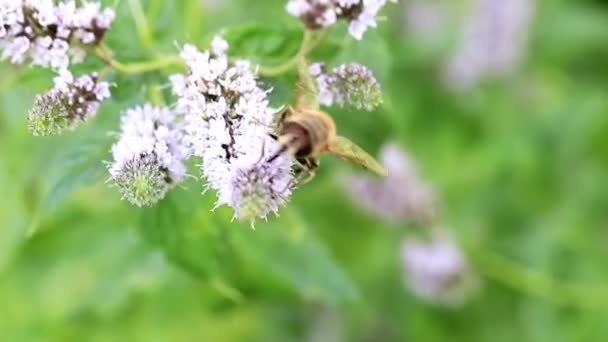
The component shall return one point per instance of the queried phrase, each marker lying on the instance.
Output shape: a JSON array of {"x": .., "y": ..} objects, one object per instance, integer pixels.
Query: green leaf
[
  {"x": 287, "y": 251},
  {"x": 79, "y": 165},
  {"x": 184, "y": 227},
  {"x": 268, "y": 44}
]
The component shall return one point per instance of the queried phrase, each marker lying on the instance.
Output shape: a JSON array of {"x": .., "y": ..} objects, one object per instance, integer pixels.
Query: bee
[{"x": 306, "y": 133}]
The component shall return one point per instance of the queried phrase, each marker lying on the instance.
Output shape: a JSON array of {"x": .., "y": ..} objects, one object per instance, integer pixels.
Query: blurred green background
[{"x": 519, "y": 163}]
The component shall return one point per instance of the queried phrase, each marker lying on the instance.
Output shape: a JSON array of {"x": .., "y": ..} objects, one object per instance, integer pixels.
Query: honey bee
[{"x": 306, "y": 133}]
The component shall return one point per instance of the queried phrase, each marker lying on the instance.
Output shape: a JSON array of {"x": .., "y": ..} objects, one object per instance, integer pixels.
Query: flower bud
[
  {"x": 69, "y": 103},
  {"x": 142, "y": 180}
]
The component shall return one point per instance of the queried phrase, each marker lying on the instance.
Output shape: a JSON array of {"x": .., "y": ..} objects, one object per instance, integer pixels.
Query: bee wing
[
  {"x": 348, "y": 150},
  {"x": 307, "y": 94}
]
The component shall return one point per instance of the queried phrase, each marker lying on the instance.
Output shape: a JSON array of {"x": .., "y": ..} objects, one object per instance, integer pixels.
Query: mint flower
[
  {"x": 316, "y": 14},
  {"x": 68, "y": 104},
  {"x": 347, "y": 85},
  {"x": 228, "y": 121},
  {"x": 50, "y": 35},
  {"x": 149, "y": 154}
]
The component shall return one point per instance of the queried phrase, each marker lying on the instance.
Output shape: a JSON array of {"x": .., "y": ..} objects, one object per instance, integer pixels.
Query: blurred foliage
[{"x": 519, "y": 165}]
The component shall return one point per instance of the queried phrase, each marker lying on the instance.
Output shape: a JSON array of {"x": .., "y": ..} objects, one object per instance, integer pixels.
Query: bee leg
[
  {"x": 306, "y": 171},
  {"x": 304, "y": 177}
]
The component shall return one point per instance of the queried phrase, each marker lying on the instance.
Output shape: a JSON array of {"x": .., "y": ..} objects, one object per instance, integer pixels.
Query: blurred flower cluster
[
  {"x": 316, "y": 14},
  {"x": 436, "y": 270},
  {"x": 493, "y": 42},
  {"x": 434, "y": 267},
  {"x": 54, "y": 35}
]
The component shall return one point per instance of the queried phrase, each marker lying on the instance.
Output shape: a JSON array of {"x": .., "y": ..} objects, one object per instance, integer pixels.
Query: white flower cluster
[
  {"x": 348, "y": 84},
  {"x": 50, "y": 35},
  {"x": 436, "y": 271},
  {"x": 316, "y": 14},
  {"x": 401, "y": 196},
  {"x": 227, "y": 122},
  {"x": 149, "y": 155},
  {"x": 70, "y": 102},
  {"x": 493, "y": 42}
]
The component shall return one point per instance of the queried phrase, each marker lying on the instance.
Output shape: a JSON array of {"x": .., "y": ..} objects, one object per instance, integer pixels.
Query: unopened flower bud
[{"x": 142, "y": 180}]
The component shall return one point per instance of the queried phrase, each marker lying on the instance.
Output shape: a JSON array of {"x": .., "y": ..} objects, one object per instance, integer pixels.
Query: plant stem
[
  {"x": 159, "y": 63},
  {"x": 537, "y": 284},
  {"x": 306, "y": 47}
]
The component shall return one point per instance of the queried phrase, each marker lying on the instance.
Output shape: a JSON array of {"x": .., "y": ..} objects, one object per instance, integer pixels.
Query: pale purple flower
[
  {"x": 347, "y": 85},
  {"x": 316, "y": 14},
  {"x": 68, "y": 104},
  {"x": 493, "y": 42},
  {"x": 401, "y": 196},
  {"x": 228, "y": 122},
  {"x": 49, "y": 34},
  {"x": 149, "y": 156},
  {"x": 436, "y": 271}
]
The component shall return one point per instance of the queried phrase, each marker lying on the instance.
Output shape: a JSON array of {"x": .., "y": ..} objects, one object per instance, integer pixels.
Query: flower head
[
  {"x": 69, "y": 103},
  {"x": 227, "y": 123},
  {"x": 401, "y": 196},
  {"x": 50, "y": 34},
  {"x": 316, "y": 14},
  {"x": 347, "y": 85},
  {"x": 436, "y": 271},
  {"x": 149, "y": 155}
]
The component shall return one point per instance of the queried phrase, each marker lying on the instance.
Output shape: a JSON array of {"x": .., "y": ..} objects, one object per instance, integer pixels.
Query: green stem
[
  {"x": 159, "y": 63},
  {"x": 537, "y": 284}
]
